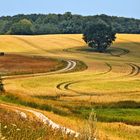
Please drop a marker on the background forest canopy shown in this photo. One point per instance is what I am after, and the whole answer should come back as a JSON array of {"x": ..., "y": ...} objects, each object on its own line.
[{"x": 66, "y": 23}]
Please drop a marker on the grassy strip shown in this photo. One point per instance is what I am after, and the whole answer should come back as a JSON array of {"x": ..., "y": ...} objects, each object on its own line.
[
  {"x": 17, "y": 100},
  {"x": 128, "y": 116},
  {"x": 125, "y": 115},
  {"x": 120, "y": 104},
  {"x": 120, "y": 113}
]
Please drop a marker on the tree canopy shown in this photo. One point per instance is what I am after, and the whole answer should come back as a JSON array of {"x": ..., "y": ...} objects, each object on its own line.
[
  {"x": 99, "y": 36},
  {"x": 63, "y": 23},
  {"x": 21, "y": 27}
]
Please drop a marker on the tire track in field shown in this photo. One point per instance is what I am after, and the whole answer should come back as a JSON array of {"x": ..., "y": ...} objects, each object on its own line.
[
  {"x": 71, "y": 64},
  {"x": 59, "y": 86},
  {"x": 135, "y": 70},
  {"x": 45, "y": 120},
  {"x": 66, "y": 86}
]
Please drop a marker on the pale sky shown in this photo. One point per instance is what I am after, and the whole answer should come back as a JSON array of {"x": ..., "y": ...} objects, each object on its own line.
[{"x": 125, "y": 8}]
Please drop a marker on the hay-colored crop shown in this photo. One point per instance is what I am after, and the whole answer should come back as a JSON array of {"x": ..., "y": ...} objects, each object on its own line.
[{"x": 111, "y": 78}]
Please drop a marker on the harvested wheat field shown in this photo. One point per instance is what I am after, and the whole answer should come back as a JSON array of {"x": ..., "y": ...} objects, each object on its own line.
[{"x": 80, "y": 80}]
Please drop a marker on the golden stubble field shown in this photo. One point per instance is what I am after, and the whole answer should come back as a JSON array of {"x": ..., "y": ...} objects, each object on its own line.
[{"x": 111, "y": 79}]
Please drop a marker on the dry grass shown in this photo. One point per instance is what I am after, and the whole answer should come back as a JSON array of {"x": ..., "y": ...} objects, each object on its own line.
[
  {"x": 118, "y": 131},
  {"x": 12, "y": 127}
]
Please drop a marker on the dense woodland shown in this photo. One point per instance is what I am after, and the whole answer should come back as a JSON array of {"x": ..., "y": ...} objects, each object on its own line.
[{"x": 63, "y": 23}]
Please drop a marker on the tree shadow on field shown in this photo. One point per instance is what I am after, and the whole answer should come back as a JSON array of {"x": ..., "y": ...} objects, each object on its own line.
[
  {"x": 113, "y": 51},
  {"x": 118, "y": 52},
  {"x": 86, "y": 49}
]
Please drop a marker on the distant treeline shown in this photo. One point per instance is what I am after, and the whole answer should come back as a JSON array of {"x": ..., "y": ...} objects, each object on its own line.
[{"x": 63, "y": 24}]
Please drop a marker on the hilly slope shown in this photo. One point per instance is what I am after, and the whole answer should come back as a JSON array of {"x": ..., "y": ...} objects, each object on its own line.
[{"x": 107, "y": 82}]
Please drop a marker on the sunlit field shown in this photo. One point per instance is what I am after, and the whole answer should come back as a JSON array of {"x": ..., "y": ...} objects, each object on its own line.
[{"x": 107, "y": 82}]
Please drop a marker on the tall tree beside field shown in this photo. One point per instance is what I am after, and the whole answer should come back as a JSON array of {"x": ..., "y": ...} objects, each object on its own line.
[{"x": 99, "y": 36}]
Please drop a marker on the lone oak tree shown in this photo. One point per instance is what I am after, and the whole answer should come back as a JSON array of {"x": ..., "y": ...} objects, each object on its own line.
[{"x": 99, "y": 36}]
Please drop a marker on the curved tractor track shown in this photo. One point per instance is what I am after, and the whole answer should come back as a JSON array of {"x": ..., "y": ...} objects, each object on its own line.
[
  {"x": 71, "y": 64},
  {"x": 66, "y": 86},
  {"x": 135, "y": 70}
]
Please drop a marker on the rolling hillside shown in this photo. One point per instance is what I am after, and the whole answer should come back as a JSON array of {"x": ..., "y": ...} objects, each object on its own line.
[{"x": 107, "y": 82}]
